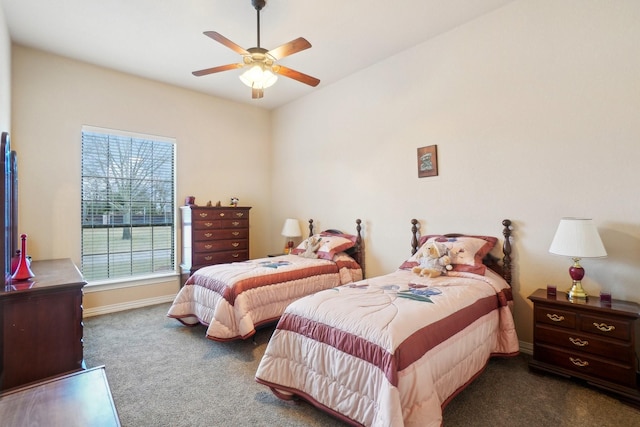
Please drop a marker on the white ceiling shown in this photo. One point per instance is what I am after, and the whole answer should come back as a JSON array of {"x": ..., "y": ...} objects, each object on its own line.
[{"x": 162, "y": 39}]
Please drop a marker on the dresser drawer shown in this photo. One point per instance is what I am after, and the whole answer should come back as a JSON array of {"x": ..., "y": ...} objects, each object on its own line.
[
  {"x": 211, "y": 224},
  {"x": 586, "y": 365},
  {"x": 220, "y": 214},
  {"x": 220, "y": 257},
  {"x": 555, "y": 316},
  {"x": 606, "y": 326},
  {"x": 573, "y": 341},
  {"x": 223, "y": 234},
  {"x": 220, "y": 245}
]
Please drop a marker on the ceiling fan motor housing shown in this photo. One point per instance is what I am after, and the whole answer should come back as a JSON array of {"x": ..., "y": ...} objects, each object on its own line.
[{"x": 258, "y": 4}]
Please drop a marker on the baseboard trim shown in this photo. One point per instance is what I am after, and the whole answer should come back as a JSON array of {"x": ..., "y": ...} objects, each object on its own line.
[
  {"x": 113, "y": 308},
  {"x": 526, "y": 347}
]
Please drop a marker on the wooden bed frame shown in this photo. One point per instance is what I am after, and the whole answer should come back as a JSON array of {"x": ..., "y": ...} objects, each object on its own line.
[
  {"x": 491, "y": 261},
  {"x": 356, "y": 252}
]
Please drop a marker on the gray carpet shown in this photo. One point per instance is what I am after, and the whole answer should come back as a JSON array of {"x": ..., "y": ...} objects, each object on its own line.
[{"x": 162, "y": 373}]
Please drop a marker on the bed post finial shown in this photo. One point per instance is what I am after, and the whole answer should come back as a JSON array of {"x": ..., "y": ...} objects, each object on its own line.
[
  {"x": 414, "y": 236},
  {"x": 506, "y": 250},
  {"x": 359, "y": 253},
  {"x": 310, "y": 227}
]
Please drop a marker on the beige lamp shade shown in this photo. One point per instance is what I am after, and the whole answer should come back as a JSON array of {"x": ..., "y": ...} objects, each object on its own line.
[
  {"x": 291, "y": 228},
  {"x": 577, "y": 238}
]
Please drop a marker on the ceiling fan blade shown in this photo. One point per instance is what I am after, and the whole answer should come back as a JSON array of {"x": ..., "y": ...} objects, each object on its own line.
[
  {"x": 216, "y": 69},
  {"x": 294, "y": 46},
  {"x": 225, "y": 41},
  {"x": 257, "y": 93},
  {"x": 296, "y": 75}
]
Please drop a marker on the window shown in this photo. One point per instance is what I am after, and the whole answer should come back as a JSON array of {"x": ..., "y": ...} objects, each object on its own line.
[{"x": 128, "y": 204}]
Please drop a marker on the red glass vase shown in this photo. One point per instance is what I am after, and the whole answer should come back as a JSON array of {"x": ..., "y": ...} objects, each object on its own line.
[{"x": 23, "y": 271}]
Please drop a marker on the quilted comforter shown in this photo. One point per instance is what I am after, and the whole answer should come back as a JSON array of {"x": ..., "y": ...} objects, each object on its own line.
[
  {"x": 233, "y": 299},
  {"x": 391, "y": 350}
]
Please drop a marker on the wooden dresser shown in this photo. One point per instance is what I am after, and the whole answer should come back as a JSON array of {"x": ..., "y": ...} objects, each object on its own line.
[
  {"x": 80, "y": 399},
  {"x": 213, "y": 235},
  {"x": 590, "y": 340},
  {"x": 42, "y": 324}
]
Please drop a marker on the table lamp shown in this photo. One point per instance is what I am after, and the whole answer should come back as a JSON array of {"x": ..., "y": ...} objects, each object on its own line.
[
  {"x": 577, "y": 238},
  {"x": 290, "y": 229}
]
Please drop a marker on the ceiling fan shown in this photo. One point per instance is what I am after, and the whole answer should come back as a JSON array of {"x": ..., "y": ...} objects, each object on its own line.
[{"x": 260, "y": 63}]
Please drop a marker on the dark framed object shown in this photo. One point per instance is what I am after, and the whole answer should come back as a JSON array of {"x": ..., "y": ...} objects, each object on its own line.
[{"x": 427, "y": 161}]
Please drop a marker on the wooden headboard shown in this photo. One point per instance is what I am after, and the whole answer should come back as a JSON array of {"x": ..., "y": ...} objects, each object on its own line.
[
  {"x": 357, "y": 251},
  {"x": 501, "y": 266},
  {"x": 8, "y": 205}
]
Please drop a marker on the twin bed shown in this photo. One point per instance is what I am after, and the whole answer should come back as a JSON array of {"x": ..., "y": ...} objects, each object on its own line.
[
  {"x": 391, "y": 350},
  {"x": 234, "y": 299}
]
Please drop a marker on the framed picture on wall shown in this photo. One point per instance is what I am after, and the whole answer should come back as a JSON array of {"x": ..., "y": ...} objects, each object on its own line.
[{"x": 427, "y": 161}]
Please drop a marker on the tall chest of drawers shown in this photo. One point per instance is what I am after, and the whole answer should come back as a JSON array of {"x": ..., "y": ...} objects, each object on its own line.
[
  {"x": 213, "y": 235},
  {"x": 589, "y": 340}
]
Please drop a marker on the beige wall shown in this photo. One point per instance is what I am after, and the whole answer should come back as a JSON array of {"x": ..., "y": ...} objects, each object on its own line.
[
  {"x": 222, "y": 148},
  {"x": 5, "y": 75},
  {"x": 535, "y": 111}
]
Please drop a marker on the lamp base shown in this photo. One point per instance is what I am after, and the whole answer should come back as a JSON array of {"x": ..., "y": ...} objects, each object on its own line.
[{"x": 576, "y": 293}]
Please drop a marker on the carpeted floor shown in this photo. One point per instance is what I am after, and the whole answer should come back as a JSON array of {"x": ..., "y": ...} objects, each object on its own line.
[{"x": 162, "y": 373}]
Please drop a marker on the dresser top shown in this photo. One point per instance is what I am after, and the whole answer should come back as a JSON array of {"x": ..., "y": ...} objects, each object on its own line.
[
  {"x": 592, "y": 303},
  {"x": 214, "y": 207},
  {"x": 49, "y": 273}
]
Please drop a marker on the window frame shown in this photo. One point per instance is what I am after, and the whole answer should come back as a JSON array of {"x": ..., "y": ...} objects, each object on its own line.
[{"x": 142, "y": 277}]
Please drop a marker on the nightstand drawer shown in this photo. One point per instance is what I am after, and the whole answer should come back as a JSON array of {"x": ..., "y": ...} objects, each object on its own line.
[
  {"x": 555, "y": 316},
  {"x": 573, "y": 341},
  {"x": 586, "y": 365},
  {"x": 606, "y": 326}
]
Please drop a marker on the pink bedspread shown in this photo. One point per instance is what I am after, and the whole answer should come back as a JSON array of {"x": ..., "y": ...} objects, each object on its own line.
[
  {"x": 391, "y": 350},
  {"x": 233, "y": 299}
]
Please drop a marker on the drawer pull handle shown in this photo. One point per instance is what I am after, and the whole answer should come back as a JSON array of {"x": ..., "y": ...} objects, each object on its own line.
[
  {"x": 221, "y": 213},
  {"x": 236, "y": 233},
  {"x": 578, "y": 362},
  {"x": 579, "y": 342},
  {"x": 239, "y": 214},
  {"x": 208, "y": 224},
  {"x": 208, "y": 246},
  {"x": 208, "y": 258},
  {"x": 235, "y": 223},
  {"x": 555, "y": 317},
  {"x": 208, "y": 234},
  {"x": 235, "y": 255},
  {"x": 203, "y": 214},
  {"x": 604, "y": 327},
  {"x": 235, "y": 244}
]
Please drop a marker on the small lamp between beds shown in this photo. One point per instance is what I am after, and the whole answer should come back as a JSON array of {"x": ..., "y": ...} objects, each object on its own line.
[
  {"x": 577, "y": 238},
  {"x": 290, "y": 229}
]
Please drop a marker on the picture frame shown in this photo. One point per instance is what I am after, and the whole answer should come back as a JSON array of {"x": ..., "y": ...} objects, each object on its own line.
[{"x": 428, "y": 161}]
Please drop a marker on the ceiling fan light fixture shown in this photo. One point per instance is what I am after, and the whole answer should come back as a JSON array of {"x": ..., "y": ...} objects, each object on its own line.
[{"x": 258, "y": 77}]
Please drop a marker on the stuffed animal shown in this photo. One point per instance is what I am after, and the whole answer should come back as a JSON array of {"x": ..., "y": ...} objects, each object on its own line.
[
  {"x": 311, "y": 246},
  {"x": 434, "y": 260}
]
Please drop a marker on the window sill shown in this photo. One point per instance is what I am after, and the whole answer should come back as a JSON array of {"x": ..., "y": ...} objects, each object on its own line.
[{"x": 107, "y": 285}]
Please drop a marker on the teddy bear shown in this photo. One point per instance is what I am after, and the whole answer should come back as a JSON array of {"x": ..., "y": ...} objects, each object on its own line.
[
  {"x": 434, "y": 260},
  {"x": 311, "y": 246}
]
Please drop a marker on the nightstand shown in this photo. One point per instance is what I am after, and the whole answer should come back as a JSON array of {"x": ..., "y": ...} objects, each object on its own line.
[{"x": 591, "y": 340}]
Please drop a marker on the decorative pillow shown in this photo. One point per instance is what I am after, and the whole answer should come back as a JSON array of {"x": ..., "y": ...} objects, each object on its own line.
[
  {"x": 331, "y": 245},
  {"x": 466, "y": 252}
]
